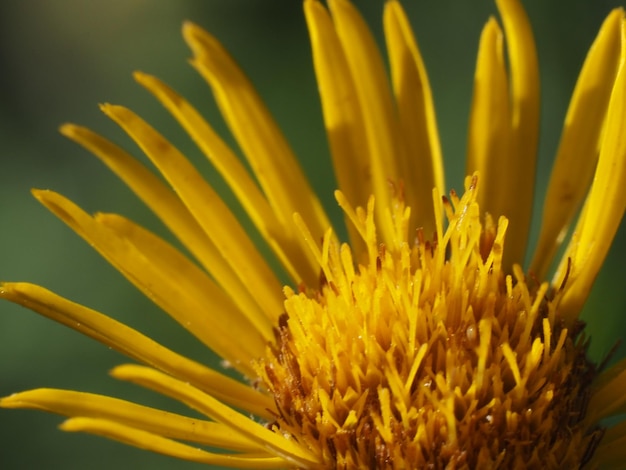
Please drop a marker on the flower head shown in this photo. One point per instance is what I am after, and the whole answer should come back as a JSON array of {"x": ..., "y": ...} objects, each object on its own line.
[{"x": 421, "y": 342}]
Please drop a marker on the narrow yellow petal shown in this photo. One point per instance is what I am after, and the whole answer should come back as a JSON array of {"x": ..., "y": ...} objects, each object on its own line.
[
  {"x": 489, "y": 132},
  {"x": 161, "y": 445},
  {"x": 520, "y": 176},
  {"x": 207, "y": 207},
  {"x": 70, "y": 403},
  {"x": 379, "y": 116},
  {"x": 423, "y": 165},
  {"x": 275, "y": 443},
  {"x": 580, "y": 141},
  {"x": 278, "y": 235},
  {"x": 343, "y": 117},
  {"x": 168, "y": 207},
  {"x": 169, "y": 260},
  {"x": 267, "y": 151},
  {"x": 605, "y": 204},
  {"x": 137, "y": 346},
  {"x": 187, "y": 304}
]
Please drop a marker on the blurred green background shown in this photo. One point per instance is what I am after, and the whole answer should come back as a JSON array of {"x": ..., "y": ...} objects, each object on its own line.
[{"x": 59, "y": 59}]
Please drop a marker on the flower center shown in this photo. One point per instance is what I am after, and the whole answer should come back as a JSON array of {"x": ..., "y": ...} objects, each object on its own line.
[{"x": 428, "y": 355}]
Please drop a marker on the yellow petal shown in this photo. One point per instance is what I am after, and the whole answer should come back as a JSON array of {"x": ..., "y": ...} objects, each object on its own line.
[
  {"x": 343, "y": 117},
  {"x": 607, "y": 394},
  {"x": 490, "y": 122},
  {"x": 169, "y": 260},
  {"x": 520, "y": 176},
  {"x": 186, "y": 303},
  {"x": 207, "y": 207},
  {"x": 275, "y": 443},
  {"x": 578, "y": 150},
  {"x": 278, "y": 235},
  {"x": 137, "y": 346},
  {"x": 152, "y": 442},
  {"x": 605, "y": 204},
  {"x": 423, "y": 165},
  {"x": 372, "y": 87},
  {"x": 267, "y": 151},
  {"x": 168, "y": 207},
  {"x": 611, "y": 453},
  {"x": 70, "y": 403}
]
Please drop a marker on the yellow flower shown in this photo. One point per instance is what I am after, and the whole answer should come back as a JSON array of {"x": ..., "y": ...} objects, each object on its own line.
[{"x": 421, "y": 343}]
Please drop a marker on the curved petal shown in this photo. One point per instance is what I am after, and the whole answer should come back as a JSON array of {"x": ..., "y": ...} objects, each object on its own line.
[
  {"x": 604, "y": 206},
  {"x": 379, "y": 116},
  {"x": 211, "y": 213},
  {"x": 580, "y": 141},
  {"x": 169, "y": 260},
  {"x": 520, "y": 176},
  {"x": 266, "y": 149},
  {"x": 152, "y": 442},
  {"x": 163, "y": 423},
  {"x": 167, "y": 207},
  {"x": 168, "y": 291},
  {"x": 489, "y": 131},
  {"x": 185, "y": 393},
  {"x": 423, "y": 165},
  {"x": 137, "y": 346},
  {"x": 278, "y": 235},
  {"x": 343, "y": 117}
]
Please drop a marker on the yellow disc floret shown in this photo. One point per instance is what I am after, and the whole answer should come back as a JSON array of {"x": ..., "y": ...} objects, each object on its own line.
[{"x": 428, "y": 354}]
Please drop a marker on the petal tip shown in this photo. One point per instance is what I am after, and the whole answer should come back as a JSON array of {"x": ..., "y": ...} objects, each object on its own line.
[
  {"x": 67, "y": 129},
  {"x": 196, "y": 38},
  {"x": 72, "y": 425},
  {"x": 8, "y": 401},
  {"x": 138, "y": 76},
  {"x": 39, "y": 194}
]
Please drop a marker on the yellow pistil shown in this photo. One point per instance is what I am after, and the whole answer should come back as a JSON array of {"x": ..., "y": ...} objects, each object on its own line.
[{"x": 429, "y": 354}]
